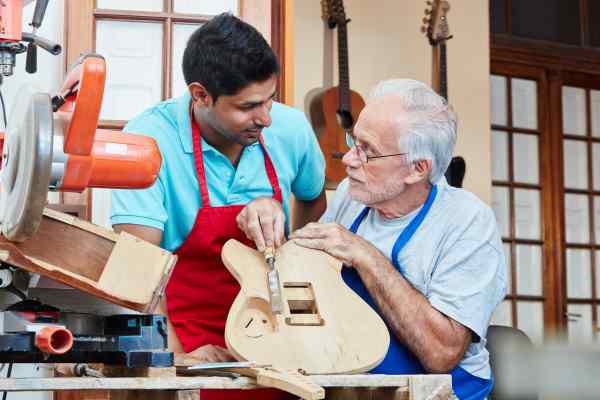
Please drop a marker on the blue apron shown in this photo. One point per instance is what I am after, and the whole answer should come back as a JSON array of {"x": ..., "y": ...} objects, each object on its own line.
[{"x": 399, "y": 360}]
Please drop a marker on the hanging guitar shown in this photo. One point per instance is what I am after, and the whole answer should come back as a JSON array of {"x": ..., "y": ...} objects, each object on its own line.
[
  {"x": 438, "y": 33},
  {"x": 334, "y": 111}
]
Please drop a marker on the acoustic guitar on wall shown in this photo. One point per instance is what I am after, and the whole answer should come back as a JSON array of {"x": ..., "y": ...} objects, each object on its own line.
[
  {"x": 334, "y": 111},
  {"x": 435, "y": 26}
]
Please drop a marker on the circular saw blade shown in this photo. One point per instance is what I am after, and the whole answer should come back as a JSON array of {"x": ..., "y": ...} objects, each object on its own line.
[{"x": 26, "y": 165}]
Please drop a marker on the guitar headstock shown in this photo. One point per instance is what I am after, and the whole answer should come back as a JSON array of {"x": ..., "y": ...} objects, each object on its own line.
[
  {"x": 333, "y": 12},
  {"x": 435, "y": 22}
]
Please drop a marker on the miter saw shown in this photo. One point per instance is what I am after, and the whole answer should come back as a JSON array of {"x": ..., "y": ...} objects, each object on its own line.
[{"x": 52, "y": 143}]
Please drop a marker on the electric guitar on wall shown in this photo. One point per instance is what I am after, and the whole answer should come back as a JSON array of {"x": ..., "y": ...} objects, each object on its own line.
[
  {"x": 334, "y": 111},
  {"x": 438, "y": 33}
]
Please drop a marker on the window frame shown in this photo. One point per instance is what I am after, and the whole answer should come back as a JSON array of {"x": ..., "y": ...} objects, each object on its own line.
[{"x": 559, "y": 65}]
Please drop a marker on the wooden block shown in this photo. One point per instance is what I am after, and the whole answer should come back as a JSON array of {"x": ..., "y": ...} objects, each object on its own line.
[
  {"x": 95, "y": 260},
  {"x": 430, "y": 387},
  {"x": 289, "y": 381}
]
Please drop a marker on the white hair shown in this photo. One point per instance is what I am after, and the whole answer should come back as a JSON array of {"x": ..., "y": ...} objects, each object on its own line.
[{"x": 431, "y": 132}]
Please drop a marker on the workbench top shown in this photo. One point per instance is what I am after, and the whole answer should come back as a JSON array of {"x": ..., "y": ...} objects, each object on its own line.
[{"x": 209, "y": 382}]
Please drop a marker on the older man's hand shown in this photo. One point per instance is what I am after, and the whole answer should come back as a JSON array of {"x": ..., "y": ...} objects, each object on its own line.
[
  {"x": 337, "y": 241},
  {"x": 263, "y": 222}
]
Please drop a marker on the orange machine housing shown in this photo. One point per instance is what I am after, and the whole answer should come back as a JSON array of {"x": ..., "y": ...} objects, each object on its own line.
[
  {"x": 11, "y": 14},
  {"x": 96, "y": 157}
]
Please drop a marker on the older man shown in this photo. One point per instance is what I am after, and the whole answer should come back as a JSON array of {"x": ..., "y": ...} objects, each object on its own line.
[{"x": 425, "y": 255}]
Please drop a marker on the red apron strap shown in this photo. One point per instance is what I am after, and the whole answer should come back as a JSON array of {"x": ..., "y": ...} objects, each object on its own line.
[
  {"x": 198, "y": 160},
  {"x": 271, "y": 174}
]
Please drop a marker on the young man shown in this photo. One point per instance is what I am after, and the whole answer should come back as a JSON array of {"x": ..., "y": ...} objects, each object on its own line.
[
  {"x": 426, "y": 256},
  {"x": 224, "y": 144}
]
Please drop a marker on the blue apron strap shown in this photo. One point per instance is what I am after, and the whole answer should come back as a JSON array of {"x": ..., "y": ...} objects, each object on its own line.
[
  {"x": 400, "y": 360},
  {"x": 410, "y": 230},
  {"x": 359, "y": 219}
]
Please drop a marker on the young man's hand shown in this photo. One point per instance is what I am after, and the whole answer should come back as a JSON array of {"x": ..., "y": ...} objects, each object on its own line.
[
  {"x": 263, "y": 221},
  {"x": 210, "y": 354}
]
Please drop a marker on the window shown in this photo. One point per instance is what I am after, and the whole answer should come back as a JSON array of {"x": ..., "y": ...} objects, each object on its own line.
[
  {"x": 143, "y": 42},
  {"x": 518, "y": 195}
]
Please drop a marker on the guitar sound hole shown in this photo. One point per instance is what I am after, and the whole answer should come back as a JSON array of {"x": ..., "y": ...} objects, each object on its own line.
[{"x": 345, "y": 119}]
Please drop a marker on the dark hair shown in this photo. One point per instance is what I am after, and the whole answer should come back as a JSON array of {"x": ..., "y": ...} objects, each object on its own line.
[{"x": 226, "y": 54}]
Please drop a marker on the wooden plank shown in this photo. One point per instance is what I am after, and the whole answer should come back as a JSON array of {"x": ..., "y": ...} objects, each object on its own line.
[
  {"x": 94, "y": 260},
  {"x": 190, "y": 383},
  {"x": 288, "y": 57},
  {"x": 291, "y": 382},
  {"x": 179, "y": 383},
  {"x": 78, "y": 29},
  {"x": 430, "y": 387}
]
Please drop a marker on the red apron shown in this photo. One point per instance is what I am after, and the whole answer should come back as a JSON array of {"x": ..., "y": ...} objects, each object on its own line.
[{"x": 201, "y": 290}]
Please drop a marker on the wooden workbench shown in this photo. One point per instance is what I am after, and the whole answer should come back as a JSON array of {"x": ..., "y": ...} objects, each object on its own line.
[{"x": 409, "y": 387}]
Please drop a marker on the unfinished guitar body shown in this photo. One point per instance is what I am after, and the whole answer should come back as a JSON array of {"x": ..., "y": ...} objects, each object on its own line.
[{"x": 325, "y": 327}]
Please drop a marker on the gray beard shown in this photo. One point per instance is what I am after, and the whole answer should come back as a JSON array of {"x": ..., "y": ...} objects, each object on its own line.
[{"x": 390, "y": 190}]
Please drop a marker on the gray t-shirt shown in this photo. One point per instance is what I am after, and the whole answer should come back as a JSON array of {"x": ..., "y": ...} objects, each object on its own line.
[{"x": 454, "y": 259}]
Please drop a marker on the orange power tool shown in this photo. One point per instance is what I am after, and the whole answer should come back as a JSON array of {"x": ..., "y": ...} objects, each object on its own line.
[{"x": 52, "y": 143}]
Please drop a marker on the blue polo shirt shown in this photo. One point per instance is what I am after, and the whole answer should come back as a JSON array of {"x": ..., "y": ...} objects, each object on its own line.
[{"x": 171, "y": 204}]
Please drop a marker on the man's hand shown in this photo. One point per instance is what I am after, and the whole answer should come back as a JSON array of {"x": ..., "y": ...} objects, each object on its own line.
[
  {"x": 209, "y": 354},
  {"x": 263, "y": 221},
  {"x": 337, "y": 241}
]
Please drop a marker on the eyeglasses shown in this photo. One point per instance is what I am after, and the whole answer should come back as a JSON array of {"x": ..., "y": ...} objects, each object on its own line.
[{"x": 364, "y": 158}]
